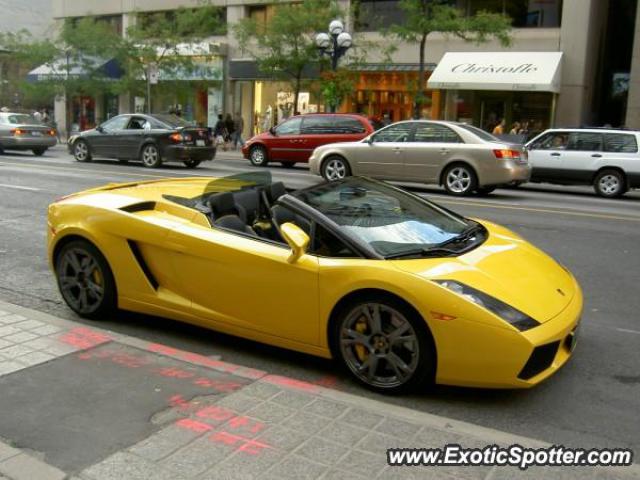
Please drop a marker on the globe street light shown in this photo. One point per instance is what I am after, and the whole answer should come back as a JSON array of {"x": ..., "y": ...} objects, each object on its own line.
[{"x": 335, "y": 43}]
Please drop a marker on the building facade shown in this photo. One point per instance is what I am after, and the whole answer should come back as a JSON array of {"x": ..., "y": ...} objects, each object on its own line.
[{"x": 573, "y": 40}]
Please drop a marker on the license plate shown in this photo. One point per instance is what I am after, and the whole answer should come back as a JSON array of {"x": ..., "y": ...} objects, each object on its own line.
[
  {"x": 36, "y": 134},
  {"x": 200, "y": 143}
]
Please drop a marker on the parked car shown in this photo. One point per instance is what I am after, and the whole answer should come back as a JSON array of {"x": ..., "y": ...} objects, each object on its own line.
[
  {"x": 462, "y": 158},
  {"x": 608, "y": 159},
  {"x": 398, "y": 289},
  {"x": 19, "y": 131},
  {"x": 294, "y": 139},
  {"x": 152, "y": 139}
]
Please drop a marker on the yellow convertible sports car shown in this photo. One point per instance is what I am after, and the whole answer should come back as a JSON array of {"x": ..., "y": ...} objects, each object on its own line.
[{"x": 400, "y": 290}]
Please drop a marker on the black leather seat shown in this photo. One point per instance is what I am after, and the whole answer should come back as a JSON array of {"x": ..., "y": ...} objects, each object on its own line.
[
  {"x": 248, "y": 204},
  {"x": 226, "y": 213},
  {"x": 274, "y": 192}
]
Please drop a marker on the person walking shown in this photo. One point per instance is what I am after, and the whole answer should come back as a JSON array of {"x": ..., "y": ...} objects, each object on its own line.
[
  {"x": 238, "y": 128},
  {"x": 499, "y": 128},
  {"x": 515, "y": 129},
  {"x": 229, "y": 126},
  {"x": 220, "y": 131}
]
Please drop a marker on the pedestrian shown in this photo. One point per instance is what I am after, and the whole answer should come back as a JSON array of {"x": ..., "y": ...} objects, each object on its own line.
[
  {"x": 515, "y": 129},
  {"x": 45, "y": 116},
  {"x": 238, "y": 128},
  {"x": 499, "y": 128},
  {"x": 230, "y": 127},
  {"x": 386, "y": 120},
  {"x": 37, "y": 116},
  {"x": 220, "y": 131}
]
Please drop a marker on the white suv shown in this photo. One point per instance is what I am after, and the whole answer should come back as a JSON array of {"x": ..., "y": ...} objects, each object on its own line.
[{"x": 608, "y": 159}]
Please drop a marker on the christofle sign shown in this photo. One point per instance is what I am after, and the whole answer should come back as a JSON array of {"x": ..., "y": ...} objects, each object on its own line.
[{"x": 525, "y": 71}]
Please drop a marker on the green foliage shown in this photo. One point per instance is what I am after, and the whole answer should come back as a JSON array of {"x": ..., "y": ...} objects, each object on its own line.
[{"x": 336, "y": 86}]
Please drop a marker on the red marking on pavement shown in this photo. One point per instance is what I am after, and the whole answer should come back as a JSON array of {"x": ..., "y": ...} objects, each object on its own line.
[
  {"x": 290, "y": 383},
  {"x": 328, "y": 381},
  {"x": 173, "y": 372},
  {"x": 196, "y": 358},
  {"x": 220, "y": 385},
  {"x": 194, "y": 425},
  {"x": 158, "y": 348},
  {"x": 84, "y": 338},
  {"x": 246, "y": 445},
  {"x": 178, "y": 401},
  {"x": 215, "y": 413},
  {"x": 253, "y": 426}
]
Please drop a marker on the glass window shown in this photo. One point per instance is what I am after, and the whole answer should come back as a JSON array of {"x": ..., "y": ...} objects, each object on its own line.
[
  {"x": 585, "y": 141},
  {"x": 326, "y": 244},
  {"x": 479, "y": 133},
  {"x": 289, "y": 127},
  {"x": 620, "y": 142},
  {"x": 348, "y": 125},
  {"x": 391, "y": 221},
  {"x": 138, "y": 123},
  {"x": 116, "y": 123},
  {"x": 432, "y": 132},
  {"x": 552, "y": 141},
  {"x": 399, "y": 132},
  {"x": 372, "y": 15},
  {"x": 20, "y": 119},
  {"x": 523, "y": 13},
  {"x": 318, "y": 124}
]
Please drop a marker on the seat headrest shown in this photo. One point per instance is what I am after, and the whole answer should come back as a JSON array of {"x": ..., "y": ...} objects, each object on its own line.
[
  {"x": 222, "y": 204},
  {"x": 275, "y": 191}
]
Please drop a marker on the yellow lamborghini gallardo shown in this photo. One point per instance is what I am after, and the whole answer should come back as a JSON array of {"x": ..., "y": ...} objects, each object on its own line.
[{"x": 398, "y": 289}]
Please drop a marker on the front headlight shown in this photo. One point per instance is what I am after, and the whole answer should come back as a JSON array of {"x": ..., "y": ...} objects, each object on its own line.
[{"x": 511, "y": 315}]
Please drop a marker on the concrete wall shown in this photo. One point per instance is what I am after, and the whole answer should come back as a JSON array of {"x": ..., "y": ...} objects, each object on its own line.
[{"x": 633, "y": 100}]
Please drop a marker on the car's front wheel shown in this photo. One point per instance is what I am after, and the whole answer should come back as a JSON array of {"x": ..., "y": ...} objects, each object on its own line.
[
  {"x": 610, "y": 184},
  {"x": 384, "y": 344},
  {"x": 81, "y": 151},
  {"x": 191, "y": 163},
  {"x": 150, "y": 156},
  {"x": 85, "y": 279},
  {"x": 335, "y": 168},
  {"x": 460, "y": 179},
  {"x": 38, "y": 152},
  {"x": 258, "y": 156}
]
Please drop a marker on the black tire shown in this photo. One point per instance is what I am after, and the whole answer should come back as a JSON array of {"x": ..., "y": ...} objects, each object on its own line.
[
  {"x": 72, "y": 282},
  {"x": 81, "y": 151},
  {"x": 482, "y": 191},
  {"x": 422, "y": 364},
  {"x": 288, "y": 164},
  {"x": 191, "y": 163},
  {"x": 460, "y": 179},
  {"x": 38, "y": 152},
  {"x": 150, "y": 156},
  {"x": 610, "y": 183},
  {"x": 258, "y": 156},
  {"x": 335, "y": 168}
]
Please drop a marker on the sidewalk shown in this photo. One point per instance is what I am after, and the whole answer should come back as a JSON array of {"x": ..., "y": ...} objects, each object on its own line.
[{"x": 87, "y": 404}]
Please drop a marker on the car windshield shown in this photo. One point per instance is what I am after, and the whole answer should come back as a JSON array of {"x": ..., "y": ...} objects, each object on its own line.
[
  {"x": 19, "y": 119},
  {"x": 479, "y": 133},
  {"x": 173, "y": 121},
  {"x": 394, "y": 223}
]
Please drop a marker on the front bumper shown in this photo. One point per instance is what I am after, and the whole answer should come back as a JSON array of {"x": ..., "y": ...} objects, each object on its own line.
[
  {"x": 185, "y": 152},
  {"x": 245, "y": 150},
  {"x": 496, "y": 357},
  {"x": 27, "y": 143}
]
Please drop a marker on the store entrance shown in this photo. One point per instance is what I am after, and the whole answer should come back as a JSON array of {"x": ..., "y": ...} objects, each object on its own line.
[{"x": 492, "y": 111}]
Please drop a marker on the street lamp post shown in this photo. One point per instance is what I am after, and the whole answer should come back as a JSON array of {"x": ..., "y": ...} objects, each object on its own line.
[{"x": 334, "y": 44}]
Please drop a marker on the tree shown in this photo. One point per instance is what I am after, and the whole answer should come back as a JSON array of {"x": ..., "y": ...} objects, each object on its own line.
[
  {"x": 284, "y": 47},
  {"x": 424, "y": 17}
]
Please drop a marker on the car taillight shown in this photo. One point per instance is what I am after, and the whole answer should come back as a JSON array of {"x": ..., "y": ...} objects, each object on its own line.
[
  {"x": 507, "y": 154},
  {"x": 17, "y": 132},
  {"x": 52, "y": 133},
  {"x": 186, "y": 137},
  {"x": 176, "y": 138}
]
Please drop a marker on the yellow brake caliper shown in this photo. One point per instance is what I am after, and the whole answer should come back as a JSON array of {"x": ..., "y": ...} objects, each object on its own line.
[{"x": 361, "y": 351}]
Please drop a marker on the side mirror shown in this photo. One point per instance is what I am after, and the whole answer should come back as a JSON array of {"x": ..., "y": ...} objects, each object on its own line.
[
  {"x": 272, "y": 131},
  {"x": 99, "y": 129},
  {"x": 369, "y": 139},
  {"x": 297, "y": 239}
]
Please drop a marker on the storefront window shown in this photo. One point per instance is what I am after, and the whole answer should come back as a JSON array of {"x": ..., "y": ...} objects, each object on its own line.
[
  {"x": 524, "y": 13},
  {"x": 372, "y": 15}
]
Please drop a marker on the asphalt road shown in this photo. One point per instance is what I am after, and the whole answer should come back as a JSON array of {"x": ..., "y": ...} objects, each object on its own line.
[{"x": 593, "y": 401}]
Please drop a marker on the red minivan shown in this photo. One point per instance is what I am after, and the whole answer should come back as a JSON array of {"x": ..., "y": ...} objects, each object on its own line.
[{"x": 293, "y": 140}]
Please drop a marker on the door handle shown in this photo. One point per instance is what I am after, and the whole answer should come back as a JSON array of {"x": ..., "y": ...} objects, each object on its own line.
[
  {"x": 596, "y": 155},
  {"x": 555, "y": 154},
  {"x": 444, "y": 151}
]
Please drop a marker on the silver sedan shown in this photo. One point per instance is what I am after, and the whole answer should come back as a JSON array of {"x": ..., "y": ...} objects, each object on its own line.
[
  {"x": 460, "y": 157},
  {"x": 19, "y": 131}
]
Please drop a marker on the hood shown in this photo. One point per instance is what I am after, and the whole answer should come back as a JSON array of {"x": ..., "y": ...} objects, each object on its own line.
[{"x": 508, "y": 268}]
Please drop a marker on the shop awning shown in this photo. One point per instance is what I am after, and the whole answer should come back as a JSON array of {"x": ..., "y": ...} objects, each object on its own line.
[
  {"x": 74, "y": 68},
  {"x": 524, "y": 71}
]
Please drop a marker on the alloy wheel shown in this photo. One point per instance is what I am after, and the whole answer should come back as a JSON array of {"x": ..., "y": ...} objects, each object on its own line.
[
  {"x": 379, "y": 345},
  {"x": 81, "y": 280},
  {"x": 258, "y": 156},
  {"x": 150, "y": 156},
  {"x": 335, "y": 169},
  {"x": 81, "y": 151},
  {"x": 609, "y": 184},
  {"x": 459, "y": 180}
]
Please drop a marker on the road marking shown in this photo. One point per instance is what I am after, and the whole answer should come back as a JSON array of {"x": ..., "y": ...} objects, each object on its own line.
[
  {"x": 626, "y": 330},
  {"x": 543, "y": 210},
  {"x": 20, "y": 187}
]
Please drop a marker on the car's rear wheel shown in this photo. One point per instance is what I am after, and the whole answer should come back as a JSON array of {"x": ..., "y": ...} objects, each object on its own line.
[
  {"x": 610, "y": 184},
  {"x": 335, "y": 168},
  {"x": 460, "y": 179},
  {"x": 485, "y": 190},
  {"x": 81, "y": 151},
  {"x": 150, "y": 156},
  {"x": 384, "y": 344},
  {"x": 38, "y": 152},
  {"x": 85, "y": 280},
  {"x": 191, "y": 163},
  {"x": 258, "y": 156}
]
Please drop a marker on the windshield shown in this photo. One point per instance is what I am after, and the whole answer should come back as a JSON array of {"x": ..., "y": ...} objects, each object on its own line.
[
  {"x": 479, "y": 133},
  {"x": 392, "y": 222},
  {"x": 173, "y": 121},
  {"x": 19, "y": 119}
]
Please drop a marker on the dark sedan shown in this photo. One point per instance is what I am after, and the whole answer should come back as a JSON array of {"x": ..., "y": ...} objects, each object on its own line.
[{"x": 152, "y": 139}]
